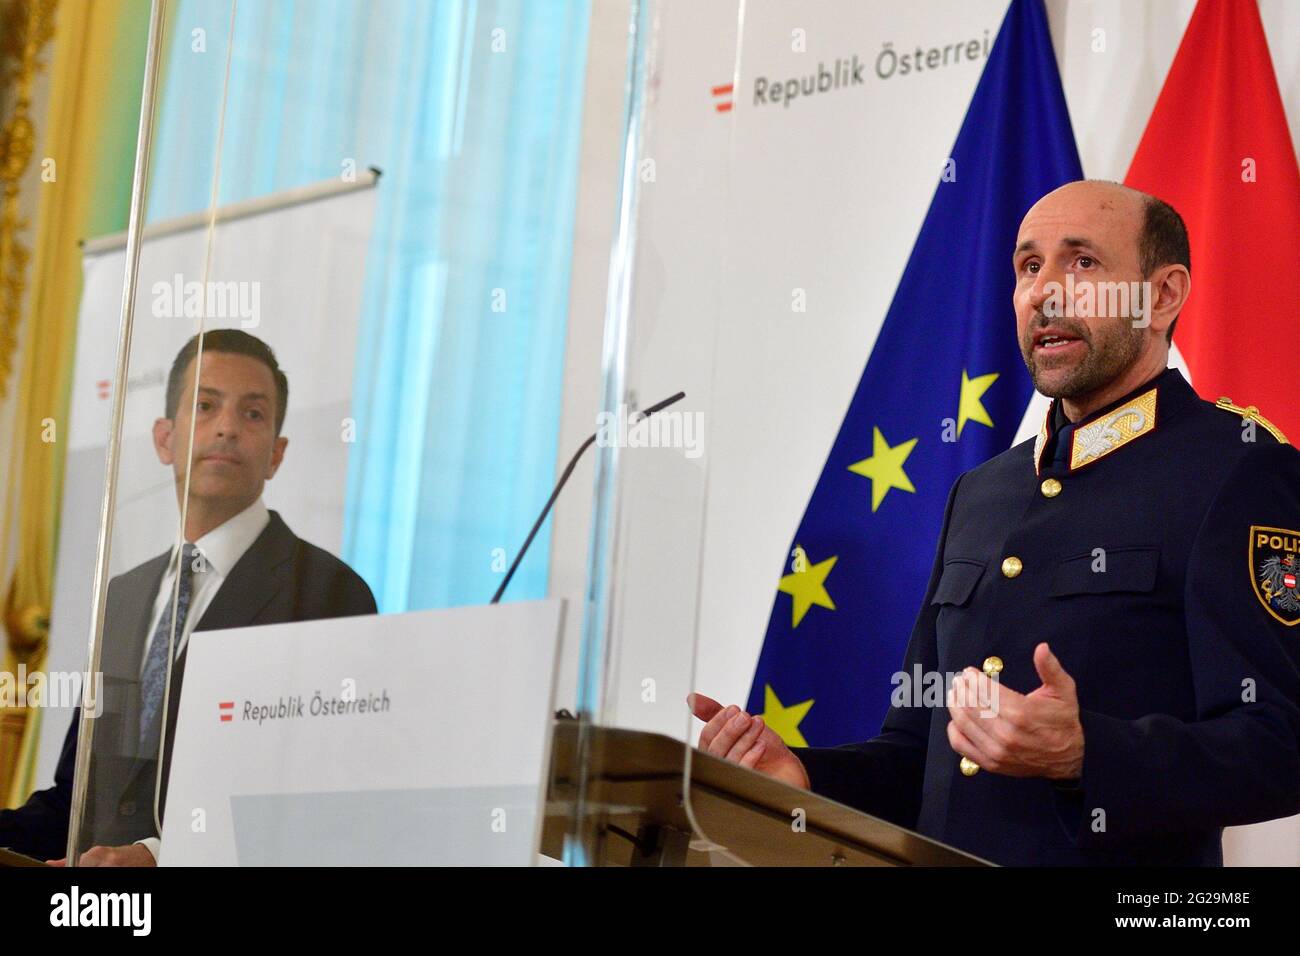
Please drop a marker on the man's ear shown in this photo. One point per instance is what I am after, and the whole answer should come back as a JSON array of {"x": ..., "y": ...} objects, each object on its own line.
[
  {"x": 277, "y": 456},
  {"x": 1170, "y": 287},
  {"x": 162, "y": 439}
]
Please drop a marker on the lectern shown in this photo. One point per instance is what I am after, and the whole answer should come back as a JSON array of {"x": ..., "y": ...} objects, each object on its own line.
[
  {"x": 653, "y": 801},
  {"x": 10, "y": 860}
]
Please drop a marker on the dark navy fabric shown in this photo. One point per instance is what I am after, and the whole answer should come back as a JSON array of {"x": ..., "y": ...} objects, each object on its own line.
[{"x": 1189, "y": 688}]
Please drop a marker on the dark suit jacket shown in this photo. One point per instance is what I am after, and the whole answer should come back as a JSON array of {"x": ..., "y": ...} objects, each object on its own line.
[{"x": 280, "y": 578}]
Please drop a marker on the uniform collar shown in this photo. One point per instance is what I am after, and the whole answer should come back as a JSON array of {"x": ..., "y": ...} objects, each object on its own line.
[{"x": 1105, "y": 431}]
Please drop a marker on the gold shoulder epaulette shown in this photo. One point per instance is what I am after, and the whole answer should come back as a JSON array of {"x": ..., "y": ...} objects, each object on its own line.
[{"x": 1251, "y": 413}]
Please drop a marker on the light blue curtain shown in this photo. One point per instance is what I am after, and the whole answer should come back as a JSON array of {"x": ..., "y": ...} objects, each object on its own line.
[{"x": 473, "y": 112}]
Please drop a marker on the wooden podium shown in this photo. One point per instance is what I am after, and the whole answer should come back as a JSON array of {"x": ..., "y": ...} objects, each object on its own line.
[
  {"x": 9, "y": 860},
  {"x": 643, "y": 811}
]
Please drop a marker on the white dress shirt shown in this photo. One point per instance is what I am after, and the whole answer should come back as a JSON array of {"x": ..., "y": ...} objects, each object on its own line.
[{"x": 222, "y": 547}]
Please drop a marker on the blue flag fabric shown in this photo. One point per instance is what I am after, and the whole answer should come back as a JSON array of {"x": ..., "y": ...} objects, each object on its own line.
[{"x": 944, "y": 389}]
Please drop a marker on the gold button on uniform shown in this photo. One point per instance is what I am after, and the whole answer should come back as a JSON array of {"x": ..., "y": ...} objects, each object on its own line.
[
  {"x": 1012, "y": 566},
  {"x": 969, "y": 767},
  {"x": 1050, "y": 488}
]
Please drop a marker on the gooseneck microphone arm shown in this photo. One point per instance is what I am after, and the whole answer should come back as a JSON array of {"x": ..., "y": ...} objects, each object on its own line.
[{"x": 559, "y": 485}]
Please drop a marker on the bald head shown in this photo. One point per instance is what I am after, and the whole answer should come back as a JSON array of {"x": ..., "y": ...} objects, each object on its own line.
[
  {"x": 1102, "y": 271},
  {"x": 1153, "y": 228},
  {"x": 1114, "y": 200}
]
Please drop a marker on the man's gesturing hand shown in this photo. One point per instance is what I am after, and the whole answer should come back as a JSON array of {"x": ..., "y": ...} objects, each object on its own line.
[
  {"x": 1020, "y": 735},
  {"x": 731, "y": 733}
]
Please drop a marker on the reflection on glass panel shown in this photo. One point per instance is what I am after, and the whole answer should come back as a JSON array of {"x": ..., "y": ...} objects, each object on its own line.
[
  {"x": 345, "y": 370},
  {"x": 472, "y": 111}
]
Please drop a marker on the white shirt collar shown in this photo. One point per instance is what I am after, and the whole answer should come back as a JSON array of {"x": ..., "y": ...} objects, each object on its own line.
[{"x": 225, "y": 544}]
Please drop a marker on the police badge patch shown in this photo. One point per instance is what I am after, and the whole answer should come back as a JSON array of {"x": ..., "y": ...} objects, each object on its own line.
[{"x": 1274, "y": 569}]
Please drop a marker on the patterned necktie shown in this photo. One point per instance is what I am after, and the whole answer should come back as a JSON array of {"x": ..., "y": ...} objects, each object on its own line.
[{"x": 155, "y": 668}]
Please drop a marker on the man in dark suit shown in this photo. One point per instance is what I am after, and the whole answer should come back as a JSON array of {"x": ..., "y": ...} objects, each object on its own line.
[
  {"x": 1116, "y": 603},
  {"x": 240, "y": 565}
]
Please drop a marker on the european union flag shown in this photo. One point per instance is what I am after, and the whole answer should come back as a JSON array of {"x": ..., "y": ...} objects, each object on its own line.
[{"x": 944, "y": 389}]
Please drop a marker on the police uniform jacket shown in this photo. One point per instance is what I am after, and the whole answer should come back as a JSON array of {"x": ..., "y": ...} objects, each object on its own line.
[{"x": 1154, "y": 546}]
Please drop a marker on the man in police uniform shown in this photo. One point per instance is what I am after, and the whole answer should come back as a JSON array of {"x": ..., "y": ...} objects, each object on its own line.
[{"x": 1128, "y": 578}]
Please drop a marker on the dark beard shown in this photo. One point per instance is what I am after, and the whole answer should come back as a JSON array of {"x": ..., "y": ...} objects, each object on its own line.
[{"x": 1110, "y": 354}]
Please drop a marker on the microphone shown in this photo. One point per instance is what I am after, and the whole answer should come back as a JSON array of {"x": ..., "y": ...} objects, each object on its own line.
[{"x": 591, "y": 440}]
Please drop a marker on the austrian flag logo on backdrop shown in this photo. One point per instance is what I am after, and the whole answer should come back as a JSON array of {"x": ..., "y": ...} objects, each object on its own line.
[{"x": 1274, "y": 567}]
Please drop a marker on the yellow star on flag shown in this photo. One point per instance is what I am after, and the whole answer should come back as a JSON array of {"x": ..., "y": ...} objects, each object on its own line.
[
  {"x": 807, "y": 585},
  {"x": 885, "y": 467},
  {"x": 969, "y": 407},
  {"x": 784, "y": 720}
]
